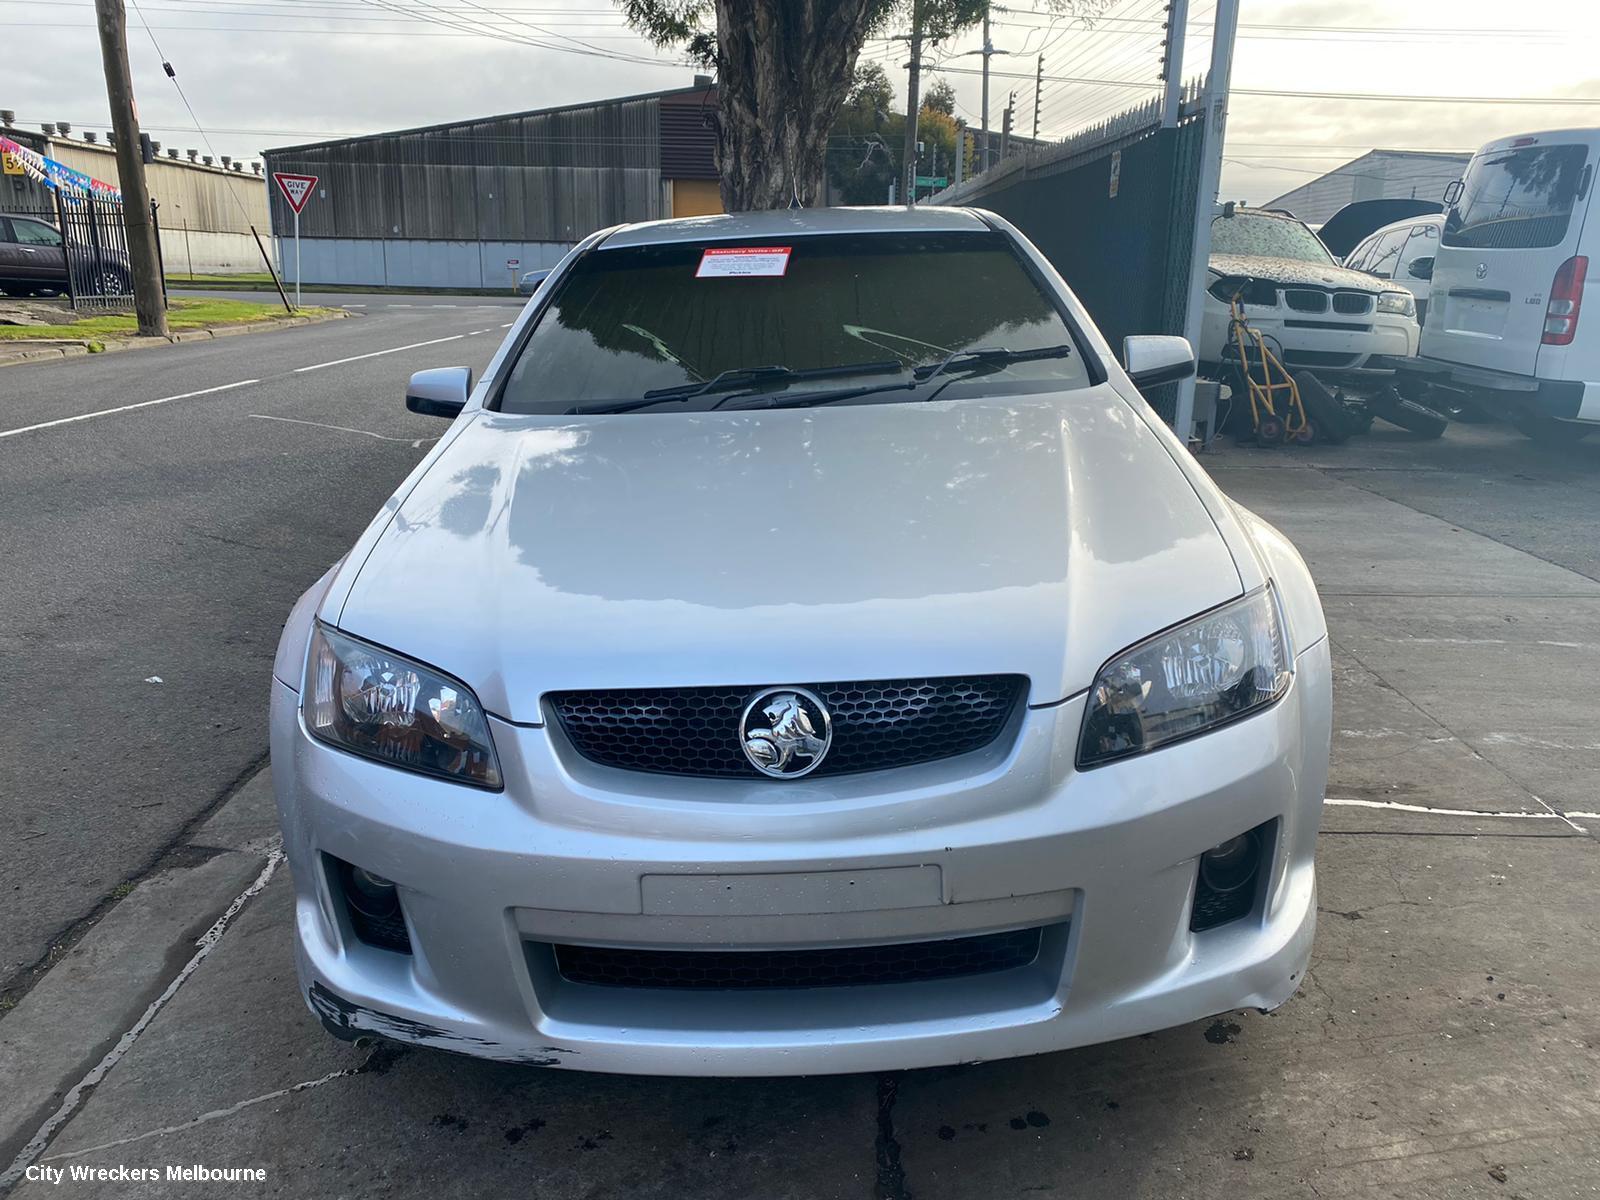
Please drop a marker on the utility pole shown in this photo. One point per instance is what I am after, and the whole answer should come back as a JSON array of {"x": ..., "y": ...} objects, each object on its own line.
[
  {"x": 1005, "y": 126},
  {"x": 1038, "y": 95},
  {"x": 908, "y": 158},
  {"x": 1215, "y": 100},
  {"x": 988, "y": 50},
  {"x": 143, "y": 255}
]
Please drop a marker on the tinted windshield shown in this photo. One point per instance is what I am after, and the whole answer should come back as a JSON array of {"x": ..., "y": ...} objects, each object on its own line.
[
  {"x": 1516, "y": 199},
  {"x": 1274, "y": 237},
  {"x": 636, "y": 319}
]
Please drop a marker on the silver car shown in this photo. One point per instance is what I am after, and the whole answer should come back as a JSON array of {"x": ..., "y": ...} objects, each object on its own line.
[{"x": 804, "y": 652}]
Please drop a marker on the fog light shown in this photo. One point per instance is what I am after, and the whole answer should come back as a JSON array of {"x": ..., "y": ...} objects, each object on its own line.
[
  {"x": 372, "y": 895},
  {"x": 373, "y": 906},
  {"x": 1228, "y": 867}
]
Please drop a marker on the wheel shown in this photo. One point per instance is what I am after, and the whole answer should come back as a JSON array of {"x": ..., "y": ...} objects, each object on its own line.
[
  {"x": 1550, "y": 431},
  {"x": 1269, "y": 432},
  {"x": 1408, "y": 414},
  {"x": 1305, "y": 435},
  {"x": 109, "y": 281}
]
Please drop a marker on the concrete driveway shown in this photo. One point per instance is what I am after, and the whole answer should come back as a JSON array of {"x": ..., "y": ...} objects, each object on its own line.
[{"x": 1446, "y": 1042}]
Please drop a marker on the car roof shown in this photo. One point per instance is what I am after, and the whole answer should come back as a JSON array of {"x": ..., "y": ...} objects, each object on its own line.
[{"x": 798, "y": 222}]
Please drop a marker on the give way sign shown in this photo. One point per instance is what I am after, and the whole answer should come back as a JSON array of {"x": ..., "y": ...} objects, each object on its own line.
[{"x": 296, "y": 189}]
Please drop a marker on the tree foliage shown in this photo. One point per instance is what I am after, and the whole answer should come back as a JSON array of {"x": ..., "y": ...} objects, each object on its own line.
[{"x": 786, "y": 70}]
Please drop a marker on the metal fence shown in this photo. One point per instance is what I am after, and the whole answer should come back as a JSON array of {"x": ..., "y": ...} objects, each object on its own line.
[
  {"x": 1113, "y": 209},
  {"x": 92, "y": 265}
]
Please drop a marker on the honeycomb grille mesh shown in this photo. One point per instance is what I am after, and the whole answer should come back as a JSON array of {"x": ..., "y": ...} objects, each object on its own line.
[
  {"x": 876, "y": 725},
  {"x": 839, "y": 966}
]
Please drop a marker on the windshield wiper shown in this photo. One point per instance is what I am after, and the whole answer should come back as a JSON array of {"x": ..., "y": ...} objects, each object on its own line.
[
  {"x": 983, "y": 360},
  {"x": 733, "y": 379}
]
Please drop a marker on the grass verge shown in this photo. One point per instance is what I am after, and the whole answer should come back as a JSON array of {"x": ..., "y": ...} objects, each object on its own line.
[{"x": 181, "y": 314}]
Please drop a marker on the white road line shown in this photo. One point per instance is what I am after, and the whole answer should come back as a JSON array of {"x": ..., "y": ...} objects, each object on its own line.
[
  {"x": 508, "y": 325},
  {"x": 106, "y": 412},
  {"x": 1396, "y": 806},
  {"x": 455, "y": 337},
  {"x": 207, "y": 943},
  {"x": 341, "y": 428}
]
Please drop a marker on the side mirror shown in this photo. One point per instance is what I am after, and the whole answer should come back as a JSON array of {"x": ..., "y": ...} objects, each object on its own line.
[
  {"x": 441, "y": 392},
  {"x": 1157, "y": 359},
  {"x": 1421, "y": 268},
  {"x": 1453, "y": 190}
]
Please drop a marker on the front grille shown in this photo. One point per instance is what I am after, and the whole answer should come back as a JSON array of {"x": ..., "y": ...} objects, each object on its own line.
[
  {"x": 840, "y": 966},
  {"x": 1352, "y": 303},
  {"x": 876, "y": 725},
  {"x": 1306, "y": 300}
]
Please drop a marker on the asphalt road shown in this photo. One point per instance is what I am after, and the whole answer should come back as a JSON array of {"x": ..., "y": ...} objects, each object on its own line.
[{"x": 152, "y": 549}]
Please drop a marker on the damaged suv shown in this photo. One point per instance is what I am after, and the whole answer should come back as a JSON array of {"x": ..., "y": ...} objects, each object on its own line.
[{"x": 1321, "y": 316}]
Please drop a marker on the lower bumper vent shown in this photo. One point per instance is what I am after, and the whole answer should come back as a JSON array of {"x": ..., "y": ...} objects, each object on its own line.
[{"x": 840, "y": 966}]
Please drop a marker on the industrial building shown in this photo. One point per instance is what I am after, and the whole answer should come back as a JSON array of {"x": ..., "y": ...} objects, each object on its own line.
[
  {"x": 204, "y": 208},
  {"x": 453, "y": 205},
  {"x": 1376, "y": 175}
]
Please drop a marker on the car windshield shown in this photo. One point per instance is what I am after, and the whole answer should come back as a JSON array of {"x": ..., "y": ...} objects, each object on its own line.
[
  {"x": 1516, "y": 200},
  {"x": 642, "y": 319},
  {"x": 1271, "y": 237}
]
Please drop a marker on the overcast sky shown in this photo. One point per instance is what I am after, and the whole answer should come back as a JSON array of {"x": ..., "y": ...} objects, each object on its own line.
[{"x": 275, "y": 72}]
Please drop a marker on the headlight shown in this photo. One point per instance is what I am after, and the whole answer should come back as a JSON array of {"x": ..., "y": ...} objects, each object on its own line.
[
  {"x": 1403, "y": 303},
  {"x": 1215, "y": 669},
  {"x": 373, "y": 702}
]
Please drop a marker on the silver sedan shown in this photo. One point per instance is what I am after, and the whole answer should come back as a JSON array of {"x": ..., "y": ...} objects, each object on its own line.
[{"x": 805, "y": 651}]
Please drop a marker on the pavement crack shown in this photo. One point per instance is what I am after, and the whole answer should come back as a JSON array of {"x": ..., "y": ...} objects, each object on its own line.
[
  {"x": 22, "y": 981},
  {"x": 377, "y": 1062},
  {"x": 79, "y": 1091},
  {"x": 890, "y": 1182}
]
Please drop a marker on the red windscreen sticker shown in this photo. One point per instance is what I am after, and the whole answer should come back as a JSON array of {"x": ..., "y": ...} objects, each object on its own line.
[{"x": 728, "y": 262}]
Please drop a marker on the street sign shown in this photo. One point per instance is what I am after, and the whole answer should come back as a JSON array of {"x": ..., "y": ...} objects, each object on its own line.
[
  {"x": 513, "y": 262},
  {"x": 296, "y": 189},
  {"x": 933, "y": 181}
]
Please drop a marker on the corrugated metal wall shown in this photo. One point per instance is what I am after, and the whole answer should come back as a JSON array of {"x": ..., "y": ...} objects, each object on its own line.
[{"x": 551, "y": 176}]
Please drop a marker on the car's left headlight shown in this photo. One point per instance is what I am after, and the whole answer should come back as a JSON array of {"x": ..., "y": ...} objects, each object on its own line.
[
  {"x": 1194, "y": 677},
  {"x": 1403, "y": 303},
  {"x": 376, "y": 703}
]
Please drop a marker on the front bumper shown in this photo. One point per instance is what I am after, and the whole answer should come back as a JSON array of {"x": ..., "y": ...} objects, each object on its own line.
[{"x": 1103, "y": 860}]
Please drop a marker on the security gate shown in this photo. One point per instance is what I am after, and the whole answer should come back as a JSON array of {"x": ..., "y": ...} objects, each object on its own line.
[{"x": 95, "y": 241}]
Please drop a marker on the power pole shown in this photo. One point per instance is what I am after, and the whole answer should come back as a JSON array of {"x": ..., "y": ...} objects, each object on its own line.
[
  {"x": 908, "y": 159},
  {"x": 1005, "y": 126},
  {"x": 143, "y": 255},
  {"x": 988, "y": 51},
  {"x": 1038, "y": 95}
]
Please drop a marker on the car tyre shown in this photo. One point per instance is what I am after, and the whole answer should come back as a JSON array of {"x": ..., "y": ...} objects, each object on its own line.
[{"x": 1408, "y": 414}]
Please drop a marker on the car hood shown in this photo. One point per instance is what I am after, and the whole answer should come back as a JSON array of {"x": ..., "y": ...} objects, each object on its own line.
[
  {"x": 1295, "y": 273},
  {"x": 1034, "y": 535}
]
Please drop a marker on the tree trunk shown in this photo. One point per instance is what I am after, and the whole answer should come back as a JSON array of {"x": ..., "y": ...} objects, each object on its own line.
[{"x": 783, "y": 71}]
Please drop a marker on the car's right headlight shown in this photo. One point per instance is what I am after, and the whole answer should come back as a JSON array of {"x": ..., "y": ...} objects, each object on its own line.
[
  {"x": 1195, "y": 677},
  {"x": 381, "y": 705}
]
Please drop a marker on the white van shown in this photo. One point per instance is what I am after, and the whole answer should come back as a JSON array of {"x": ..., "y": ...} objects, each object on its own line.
[
  {"x": 1504, "y": 327},
  {"x": 1403, "y": 252}
]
